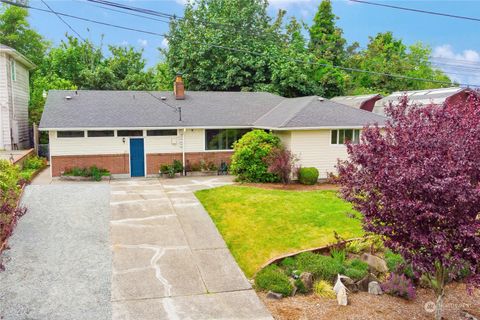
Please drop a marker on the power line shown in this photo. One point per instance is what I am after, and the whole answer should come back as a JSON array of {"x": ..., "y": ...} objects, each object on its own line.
[
  {"x": 417, "y": 10},
  {"x": 65, "y": 22},
  {"x": 177, "y": 109},
  {"x": 251, "y": 52}
]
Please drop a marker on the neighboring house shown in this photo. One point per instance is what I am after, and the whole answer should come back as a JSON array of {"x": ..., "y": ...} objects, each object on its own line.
[
  {"x": 132, "y": 133},
  {"x": 14, "y": 98},
  {"x": 365, "y": 102},
  {"x": 424, "y": 97}
]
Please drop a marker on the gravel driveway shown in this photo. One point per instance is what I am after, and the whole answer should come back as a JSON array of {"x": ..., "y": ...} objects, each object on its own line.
[{"x": 59, "y": 264}]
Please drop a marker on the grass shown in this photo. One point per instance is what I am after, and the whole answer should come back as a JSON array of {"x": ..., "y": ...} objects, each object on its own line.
[{"x": 259, "y": 224}]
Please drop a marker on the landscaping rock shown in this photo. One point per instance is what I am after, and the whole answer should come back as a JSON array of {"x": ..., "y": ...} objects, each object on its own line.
[
  {"x": 349, "y": 283},
  {"x": 307, "y": 279},
  {"x": 362, "y": 284},
  {"x": 342, "y": 298},
  {"x": 292, "y": 282},
  {"x": 374, "y": 288},
  {"x": 274, "y": 295},
  {"x": 375, "y": 263}
]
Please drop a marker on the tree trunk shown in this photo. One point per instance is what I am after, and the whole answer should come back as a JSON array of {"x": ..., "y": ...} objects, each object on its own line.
[
  {"x": 440, "y": 279},
  {"x": 439, "y": 307}
]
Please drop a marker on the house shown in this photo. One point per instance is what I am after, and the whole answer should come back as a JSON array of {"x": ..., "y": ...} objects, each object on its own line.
[
  {"x": 132, "y": 133},
  {"x": 14, "y": 98},
  {"x": 364, "y": 102},
  {"x": 424, "y": 97}
]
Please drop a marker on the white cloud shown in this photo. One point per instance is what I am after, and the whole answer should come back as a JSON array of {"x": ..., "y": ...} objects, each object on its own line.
[
  {"x": 164, "y": 43},
  {"x": 463, "y": 67},
  {"x": 143, "y": 42}
]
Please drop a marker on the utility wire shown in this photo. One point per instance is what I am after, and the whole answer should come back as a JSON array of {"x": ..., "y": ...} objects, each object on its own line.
[
  {"x": 417, "y": 10},
  {"x": 177, "y": 109},
  {"x": 63, "y": 20},
  {"x": 251, "y": 52}
]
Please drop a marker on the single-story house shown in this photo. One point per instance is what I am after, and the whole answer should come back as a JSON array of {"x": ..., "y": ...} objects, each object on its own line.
[
  {"x": 424, "y": 97},
  {"x": 132, "y": 133},
  {"x": 364, "y": 102}
]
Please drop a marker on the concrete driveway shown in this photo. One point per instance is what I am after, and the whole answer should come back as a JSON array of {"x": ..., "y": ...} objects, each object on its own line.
[{"x": 133, "y": 249}]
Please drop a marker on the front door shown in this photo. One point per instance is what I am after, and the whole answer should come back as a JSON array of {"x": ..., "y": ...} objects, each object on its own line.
[{"x": 137, "y": 158}]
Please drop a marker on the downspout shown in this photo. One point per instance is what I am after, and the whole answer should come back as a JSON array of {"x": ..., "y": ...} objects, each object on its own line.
[{"x": 183, "y": 150}]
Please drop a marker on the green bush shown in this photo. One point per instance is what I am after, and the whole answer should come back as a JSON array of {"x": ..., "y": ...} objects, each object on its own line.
[
  {"x": 322, "y": 267},
  {"x": 177, "y": 166},
  {"x": 26, "y": 174},
  {"x": 272, "y": 278},
  {"x": 9, "y": 176},
  {"x": 396, "y": 264},
  {"x": 300, "y": 286},
  {"x": 94, "y": 172},
  {"x": 308, "y": 176},
  {"x": 356, "y": 269},
  {"x": 34, "y": 162},
  {"x": 250, "y": 153},
  {"x": 289, "y": 264}
]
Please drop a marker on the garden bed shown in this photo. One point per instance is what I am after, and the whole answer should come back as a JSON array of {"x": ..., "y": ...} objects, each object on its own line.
[
  {"x": 201, "y": 173},
  {"x": 80, "y": 178},
  {"x": 363, "y": 306}
]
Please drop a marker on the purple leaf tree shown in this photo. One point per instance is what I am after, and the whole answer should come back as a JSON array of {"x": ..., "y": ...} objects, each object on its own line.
[{"x": 417, "y": 183}]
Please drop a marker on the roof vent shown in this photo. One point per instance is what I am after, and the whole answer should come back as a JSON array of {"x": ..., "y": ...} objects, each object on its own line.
[
  {"x": 68, "y": 97},
  {"x": 163, "y": 98},
  {"x": 321, "y": 99}
]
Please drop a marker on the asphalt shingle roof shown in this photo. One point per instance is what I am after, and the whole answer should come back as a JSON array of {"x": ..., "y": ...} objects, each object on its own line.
[
  {"x": 139, "y": 109},
  {"x": 355, "y": 101}
]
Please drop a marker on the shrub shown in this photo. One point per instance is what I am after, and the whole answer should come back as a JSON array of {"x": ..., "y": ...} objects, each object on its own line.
[
  {"x": 34, "y": 163},
  {"x": 250, "y": 152},
  {"x": 308, "y": 176},
  {"x": 300, "y": 286},
  {"x": 281, "y": 162},
  {"x": 356, "y": 269},
  {"x": 94, "y": 172},
  {"x": 272, "y": 278},
  {"x": 195, "y": 167},
  {"x": 399, "y": 285},
  {"x": 322, "y": 267},
  {"x": 177, "y": 166},
  {"x": 357, "y": 246},
  {"x": 9, "y": 176},
  {"x": 9, "y": 213},
  {"x": 338, "y": 255},
  {"x": 289, "y": 264},
  {"x": 212, "y": 166},
  {"x": 164, "y": 168},
  {"x": 396, "y": 264},
  {"x": 323, "y": 289}
]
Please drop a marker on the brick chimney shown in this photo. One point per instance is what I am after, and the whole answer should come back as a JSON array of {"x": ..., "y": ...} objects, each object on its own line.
[{"x": 179, "y": 88}]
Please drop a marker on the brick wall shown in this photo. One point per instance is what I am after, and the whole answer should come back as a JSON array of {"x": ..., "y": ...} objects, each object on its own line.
[
  {"x": 115, "y": 163},
  {"x": 155, "y": 160}
]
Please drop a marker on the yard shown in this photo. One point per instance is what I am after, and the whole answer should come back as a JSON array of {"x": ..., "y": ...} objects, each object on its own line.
[{"x": 260, "y": 224}]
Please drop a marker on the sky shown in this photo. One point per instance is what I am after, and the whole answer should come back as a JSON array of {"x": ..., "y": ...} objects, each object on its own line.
[{"x": 455, "y": 43}]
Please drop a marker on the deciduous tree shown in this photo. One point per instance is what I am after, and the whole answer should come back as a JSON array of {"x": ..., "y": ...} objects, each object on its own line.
[{"x": 417, "y": 183}]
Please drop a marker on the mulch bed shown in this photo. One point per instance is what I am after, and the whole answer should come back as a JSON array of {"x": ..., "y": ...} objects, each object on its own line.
[
  {"x": 366, "y": 306},
  {"x": 294, "y": 186}
]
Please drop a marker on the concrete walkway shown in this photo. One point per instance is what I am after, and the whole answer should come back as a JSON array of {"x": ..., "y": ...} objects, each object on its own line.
[{"x": 169, "y": 261}]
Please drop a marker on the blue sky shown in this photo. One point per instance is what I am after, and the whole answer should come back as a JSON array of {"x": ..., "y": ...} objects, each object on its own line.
[{"x": 455, "y": 43}]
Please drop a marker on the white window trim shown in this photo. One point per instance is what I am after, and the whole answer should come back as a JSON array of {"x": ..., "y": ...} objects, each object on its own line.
[
  {"x": 338, "y": 135},
  {"x": 13, "y": 70}
]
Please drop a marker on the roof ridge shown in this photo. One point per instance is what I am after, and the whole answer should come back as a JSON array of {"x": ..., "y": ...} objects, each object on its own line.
[{"x": 298, "y": 111}]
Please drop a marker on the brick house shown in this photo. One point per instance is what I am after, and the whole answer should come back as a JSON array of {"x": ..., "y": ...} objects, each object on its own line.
[{"x": 132, "y": 133}]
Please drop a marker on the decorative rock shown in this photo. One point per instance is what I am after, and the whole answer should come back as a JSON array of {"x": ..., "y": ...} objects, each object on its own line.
[
  {"x": 374, "y": 288},
  {"x": 307, "y": 279},
  {"x": 349, "y": 283},
  {"x": 342, "y": 297},
  {"x": 375, "y": 263},
  {"x": 362, "y": 284},
  {"x": 274, "y": 295}
]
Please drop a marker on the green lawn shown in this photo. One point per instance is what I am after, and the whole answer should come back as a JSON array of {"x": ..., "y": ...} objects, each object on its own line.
[{"x": 259, "y": 224}]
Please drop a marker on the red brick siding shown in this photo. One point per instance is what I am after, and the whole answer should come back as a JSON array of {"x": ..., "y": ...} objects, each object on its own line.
[
  {"x": 155, "y": 160},
  {"x": 115, "y": 163}
]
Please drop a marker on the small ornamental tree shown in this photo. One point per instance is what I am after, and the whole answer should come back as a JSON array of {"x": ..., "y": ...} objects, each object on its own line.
[
  {"x": 250, "y": 152},
  {"x": 417, "y": 183},
  {"x": 281, "y": 162}
]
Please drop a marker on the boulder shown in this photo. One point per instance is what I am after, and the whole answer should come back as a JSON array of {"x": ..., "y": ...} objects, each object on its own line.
[
  {"x": 375, "y": 263},
  {"x": 307, "y": 280},
  {"x": 374, "y": 288},
  {"x": 349, "y": 283},
  {"x": 274, "y": 295},
  {"x": 342, "y": 297},
  {"x": 362, "y": 284}
]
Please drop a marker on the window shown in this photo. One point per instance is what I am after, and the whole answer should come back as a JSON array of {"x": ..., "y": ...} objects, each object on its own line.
[
  {"x": 172, "y": 132},
  {"x": 222, "y": 139},
  {"x": 341, "y": 136},
  {"x": 100, "y": 133},
  {"x": 13, "y": 70},
  {"x": 70, "y": 134},
  {"x": 129, "y": 133}
]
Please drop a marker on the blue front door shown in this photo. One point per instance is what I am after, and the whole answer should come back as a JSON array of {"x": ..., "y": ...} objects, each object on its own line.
[{"x": 137, "y": 161}]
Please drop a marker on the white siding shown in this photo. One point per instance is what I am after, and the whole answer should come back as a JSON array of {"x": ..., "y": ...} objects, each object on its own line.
[
  {"x": 285, "y": 137},
  {"x": 87, "y": 146},
  {"x": 4, "y": 103},
  {"x": 313, "y": 149}
]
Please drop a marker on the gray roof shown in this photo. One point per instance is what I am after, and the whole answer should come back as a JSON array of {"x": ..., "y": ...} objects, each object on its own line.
[
  {"x": 421, "y": 97},
  {"x": 139, "y": 109},
  {"x": 356, "y": 101}
]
